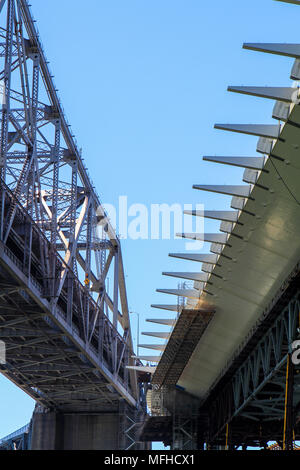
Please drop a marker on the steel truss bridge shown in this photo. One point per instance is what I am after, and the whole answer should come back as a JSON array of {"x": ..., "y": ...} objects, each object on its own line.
[
  {"x": 68, "y": 343},
  {"x": 226, "y": 378}
]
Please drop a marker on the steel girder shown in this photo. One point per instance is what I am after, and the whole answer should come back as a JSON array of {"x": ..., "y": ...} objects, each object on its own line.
[
  {"x": 19, "y": 440},
  {"x": 53, "y": 228},
  {"x": 253, "y": 400}
]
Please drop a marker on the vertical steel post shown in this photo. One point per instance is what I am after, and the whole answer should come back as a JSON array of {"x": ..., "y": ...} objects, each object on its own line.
[
  {"x": 288, "y": 406},
  {"x": 6, "y": 106},
  {"x": 54, "y": 211},
  {"x": 227, "y": 437},
  {"x": 116, "y": 307},
  {"x": 71, "y": 248},
  {"x": 53, "y": 238},
  {"x": 88, "y": 254},
  {"x": 29, "y": 175}
]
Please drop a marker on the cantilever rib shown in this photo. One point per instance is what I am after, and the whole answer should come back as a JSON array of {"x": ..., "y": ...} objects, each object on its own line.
[
  {"x": 253, "y": 163},
  {"x": 287, "y": 50},
  {"x": 229, "y": 190},
  {"x": 270, "y": 131},
  {"x": 285, "y": 94}
]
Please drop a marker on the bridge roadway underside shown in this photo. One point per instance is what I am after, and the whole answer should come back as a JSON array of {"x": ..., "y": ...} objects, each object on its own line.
[
  {"x": 82, "y": 389},
  {"x": 42, "y": 360},
  {"x": 257, "y": 399},
  {"x": 253, "y": 400}
]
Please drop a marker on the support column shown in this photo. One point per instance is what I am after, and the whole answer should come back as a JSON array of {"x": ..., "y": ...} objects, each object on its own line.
[
  {"x": 46, "y": 431},
  {"x": 87, "y": 431},
  {"x": 57, "y": 431}
]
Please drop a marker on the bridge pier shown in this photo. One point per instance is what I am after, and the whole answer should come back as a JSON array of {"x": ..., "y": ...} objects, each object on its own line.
[
  {"x": 86, "y": 431},
  {"x": 57, "y": 431}
]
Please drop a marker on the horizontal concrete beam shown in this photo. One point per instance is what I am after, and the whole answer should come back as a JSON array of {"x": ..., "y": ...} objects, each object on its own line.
[
  {"x": 172, "y": 308},
  {"x": 200, "y": 277},
  {"x": 201, "y": 258},
  {"x": 156, "y": 334}
]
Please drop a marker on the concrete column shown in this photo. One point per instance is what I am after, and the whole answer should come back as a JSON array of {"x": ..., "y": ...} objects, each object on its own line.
[
  {"x": 55, "y": 431},
  {"x": 44, "y": 431}
]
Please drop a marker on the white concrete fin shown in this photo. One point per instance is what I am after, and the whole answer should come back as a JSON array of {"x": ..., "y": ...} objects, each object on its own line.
[
  {"x": 162, "y": 321},
  {"x": 294, "y": 2},
  {"x": 189, "y": 293},
  {"x": 171, "y": 308},
  {"x": 288, "y": 50},
  {"x": 237, "y": 190},
  {"x": 201, "y": 258},
  {"x": 157, "y": 334},
  {"x": 271, "y": 131},
  {"x": 229, "y": 216},
  {"x": 147, "y": 358},
  {"x": 157, "y": 347},
  {"x": 286, "y": 94},
  {"x": 254, "y": 163},
  {"x": 199, "y": 277},
  {"x": 147, "y": 369},
  {"x": 206, "y": 237}
]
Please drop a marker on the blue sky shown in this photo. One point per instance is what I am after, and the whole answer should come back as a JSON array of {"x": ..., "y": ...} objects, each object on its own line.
[{"x": 142, "y": 83}]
